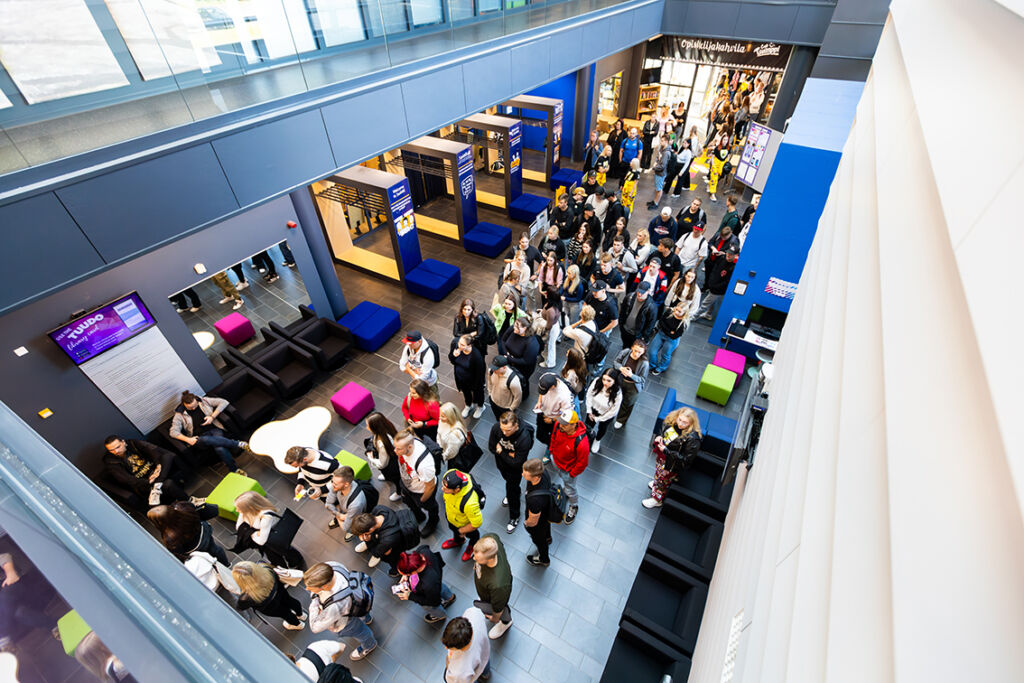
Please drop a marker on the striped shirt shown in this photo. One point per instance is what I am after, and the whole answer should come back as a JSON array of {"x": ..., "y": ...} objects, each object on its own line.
[{"x": 317, "y": 474}]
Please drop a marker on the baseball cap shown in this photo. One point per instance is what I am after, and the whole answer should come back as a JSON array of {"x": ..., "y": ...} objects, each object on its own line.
[
  {"x": 599, "y": 286},
  {"x": 733, "y": 249},
  {"x": 568, "y": 417},
  {"x": 698, "y": 226},
  {"x": 666, "y": 211},
  {"x": 499, "y": 362},
  {"x": 547, "y": 380},
  {"x": 589, "y": 207},
  {"x": 644, "y": 288},
  {"x": 412, "y": 337},
  {"x": 656, "y": 261},
  {"x": 453, "y": 479}
]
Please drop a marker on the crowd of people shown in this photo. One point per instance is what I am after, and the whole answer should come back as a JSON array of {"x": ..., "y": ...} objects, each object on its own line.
[{"x": 188, "y": 299}]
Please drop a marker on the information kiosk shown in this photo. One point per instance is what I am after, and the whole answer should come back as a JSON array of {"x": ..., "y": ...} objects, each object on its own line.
[{"x": 542, "y": 130}]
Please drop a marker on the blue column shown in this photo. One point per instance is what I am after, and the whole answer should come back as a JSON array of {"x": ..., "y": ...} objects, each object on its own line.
[{"x": 309, "y": 223}]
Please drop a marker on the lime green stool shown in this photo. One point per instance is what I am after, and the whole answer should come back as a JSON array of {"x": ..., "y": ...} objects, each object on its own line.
[
  {"x": 358, "y": 465},
  {"x": 716, "y": 384},
  {"x": 72, "y": 628},
  {"x": 230, "y": 487}
]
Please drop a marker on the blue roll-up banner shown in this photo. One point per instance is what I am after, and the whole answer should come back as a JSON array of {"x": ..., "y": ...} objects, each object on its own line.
[
  {"x": 466, "y": 188},
  {"x": 556, "y": 136},
  {"x": 400, "y": 201},
  {"x": 515, "y": 160}
]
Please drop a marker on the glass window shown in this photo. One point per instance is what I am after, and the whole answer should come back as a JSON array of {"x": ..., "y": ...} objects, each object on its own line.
[
  {"x": 339, "y": 21},
  {"x": 488, "y": 5},
  {"x": 426, "y": 12}
]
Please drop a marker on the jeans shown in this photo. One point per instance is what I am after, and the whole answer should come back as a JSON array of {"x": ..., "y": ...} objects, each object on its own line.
[
  {"x": 357, "y": 628},
  {"x": 660, "y": 351},
  {"x": 571, "y": 311},
  {"x": 193, "y": 301},
  {"x": 215, "y": 440},
  {"x": 437, "y": 611},
  {"x": 568, "y": 482},
  {"x": 286, "y": 252}
]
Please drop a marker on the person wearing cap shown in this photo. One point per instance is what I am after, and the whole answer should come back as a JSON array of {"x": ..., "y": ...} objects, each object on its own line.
[
  {"x": 588, "y": 219},
  {"x": 510, "y": 441},
  {"x": 599, "y": 202},
  {"x": 554, "y": 397},
  {"x": 663, "y": 225},
  {"x": 632, "y": 363},
  {"x": 718, "y": 245},
  {"x": 570, "y": 453},
  {"x": 689, "y": 216},
  {"x": 579, "y": 200},
  {"x": 590, "y": 183},
  {"x": 418, "y": 359},
  {"x": 692, "y": 248},
  {"x": 718, "y": 282},
  {"x": 638, "y": 316},
  {"x": 463, "y": 509},
  {"x": 606, "y": 310},
  {"x": 504, "y": 387}
]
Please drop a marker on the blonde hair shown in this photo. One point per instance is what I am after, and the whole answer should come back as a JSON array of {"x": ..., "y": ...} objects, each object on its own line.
[
  {"x": 587, "y": 313},
  {"x": 487, "y": 547},
  {"x": 670, "y": 420},
  {"x": 255, "y": 580},
  {"x": 451, "y": 415},
  {"x": 318, "y": 576},
  {"x": 251, "y": 505},
  {"x": 572, "y": 276}
]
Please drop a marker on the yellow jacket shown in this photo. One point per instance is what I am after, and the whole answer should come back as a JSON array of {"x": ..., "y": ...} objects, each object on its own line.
[{"x": 470, "y": 513}]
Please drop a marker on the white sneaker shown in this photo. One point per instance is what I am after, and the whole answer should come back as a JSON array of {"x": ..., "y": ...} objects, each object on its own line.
[
  {"x": 242, "y": 285},
  {"x": 465, "y": 411},
  {"x": 478, "y": 412},
  {"x": 380, "y": 477},
  {"x": 361, "y": 547},
  {"x": 650, "y": 484},
  {"x": 238, "y": 304},
  {"x": 374, "y": 561},
  {"x": 498, "y": 630},
  {"x": 618, "y": 425},
  {"x": 349, "y": 535},
  {"x": 597, "y": 446},
  {"x": 651, "y": 503},
  {"x": 394, "y": 497},
  {"x": 297, "y": 627},
  {"x": 226, "y": 299},
  {"x": 504, "y": 502}
]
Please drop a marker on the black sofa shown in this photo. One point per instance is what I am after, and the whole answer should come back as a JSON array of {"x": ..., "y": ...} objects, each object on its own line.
[
  {"x": 700, "y": 487},
  {"x": 639, "y": 656},
  {"x": 253, "y": 398},
  {"x": 687, "y": 539},
  {"x": 328, "y": 342},
  {"x": 667, "y": 602},
  {"x": 291, "y": 370}
]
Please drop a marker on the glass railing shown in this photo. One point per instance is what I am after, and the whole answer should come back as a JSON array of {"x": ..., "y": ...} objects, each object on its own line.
[{"x": 82, "y": 74}]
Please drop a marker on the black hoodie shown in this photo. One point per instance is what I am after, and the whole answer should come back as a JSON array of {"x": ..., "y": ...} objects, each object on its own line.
[{"x": 515, "y": 449}]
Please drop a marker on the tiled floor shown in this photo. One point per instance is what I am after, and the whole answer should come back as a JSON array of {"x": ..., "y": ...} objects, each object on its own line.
[{"x": 565, "y": 616}]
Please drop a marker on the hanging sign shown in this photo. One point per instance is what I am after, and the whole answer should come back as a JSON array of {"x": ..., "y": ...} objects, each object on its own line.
[
  {"x": 515, "y": 160},
  {"x": 556, "y": 136},
  {"x": 406, "y": 239},
  {"x": 466, "y": 188},
  {"x": 731, "y": 53}
]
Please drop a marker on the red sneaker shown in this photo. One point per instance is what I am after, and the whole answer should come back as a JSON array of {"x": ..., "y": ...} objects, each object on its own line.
[
  {"x": 467, "y": 555},
  {"x": 451, "y": 543}
]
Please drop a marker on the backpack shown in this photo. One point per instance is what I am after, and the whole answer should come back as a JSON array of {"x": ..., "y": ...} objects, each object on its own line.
[
  {"x": 558, "y": 502},
  {"x": 368, "y": 489},
  {"x": 435, "y": 452},
  {"x": 488, "y": 332},
  {"x": 360, "y": 587},
  {"x": 479, "y": 493},
  {"x": 512, "y": 374},
  {"x": 408, "y": 527},
  {"x": 597, "y": 349},
  {"x": 433, "y": 347}
]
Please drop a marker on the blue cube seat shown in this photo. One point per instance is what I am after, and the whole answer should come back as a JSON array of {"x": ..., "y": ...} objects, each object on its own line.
[
  {"x": 669, "y": 403},
  {"x": 487, "y": 239},
  {"x": 719, "y": 434},
  {"x": 371, "y": 324},
  {"x": 433, "y": 279},
  {"x": 525, "y": 207},
  {"x": 566, "y": 176}
]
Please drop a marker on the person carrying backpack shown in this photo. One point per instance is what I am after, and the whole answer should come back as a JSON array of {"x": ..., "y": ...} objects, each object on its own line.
[
  {"x": 504, "y": 387},
  {"x": 348, "y": 497},
  {"x": 570, "y": 453},
  {"x": 463, "y": 506},
  {"x": 538, "y": 510},
  {"x": 420, "y": 358},
  {"x": 341, "y": 603},
  {"x": 418, "y": 464},
  {"x": 387, "y": 533}
]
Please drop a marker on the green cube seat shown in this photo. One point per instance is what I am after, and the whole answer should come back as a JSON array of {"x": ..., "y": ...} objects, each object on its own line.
[
  {"x": 230, "y": 487},
  {"x": 72, "y": 628},
  {"x": 358, "y": 465},
  {"x": 716, "y": 384}
]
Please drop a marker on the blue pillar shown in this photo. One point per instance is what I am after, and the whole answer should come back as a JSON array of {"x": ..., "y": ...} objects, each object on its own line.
[{"x": 309, "y": 223}]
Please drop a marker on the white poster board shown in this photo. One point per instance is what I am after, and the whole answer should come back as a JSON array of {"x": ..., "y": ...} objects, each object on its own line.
[
  {"x": 143, "y": 377},
  {"x": 758, "y": 155}
]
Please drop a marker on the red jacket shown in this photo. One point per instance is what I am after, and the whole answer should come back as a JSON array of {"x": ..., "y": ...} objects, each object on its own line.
[
  {"x": 566, "y": 455},
  {"x": 419, "y": 410}
]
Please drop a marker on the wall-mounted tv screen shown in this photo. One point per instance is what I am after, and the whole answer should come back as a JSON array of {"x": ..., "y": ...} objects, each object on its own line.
[{"x": 103, "y": 328}]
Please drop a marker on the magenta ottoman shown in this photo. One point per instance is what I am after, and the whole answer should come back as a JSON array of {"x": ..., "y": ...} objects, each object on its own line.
[
  {"x": 353, "y": 402},
  {"x": 235, "y": 329},
  {"x": 729, "y": 360}
]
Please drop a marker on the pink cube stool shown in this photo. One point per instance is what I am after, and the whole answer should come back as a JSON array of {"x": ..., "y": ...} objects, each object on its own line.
[
  {"x": 352, "y": 402},
  {"x": 235, "y": 329},
  {"x": 730, "y": 360}
]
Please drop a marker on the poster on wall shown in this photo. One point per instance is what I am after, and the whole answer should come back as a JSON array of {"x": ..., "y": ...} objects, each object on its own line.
[
  {"x": 143, "y": 377},
  {"x": 406, "y": 239},
  {"x": 103, "y": 328},
  {"x": 757, "y": 156},
  {"x": 467, "y": 187},
  {"x": 515, "y": 160},
  {"x": 556, "y": 136},
  {"x": 739, "y": 54}
]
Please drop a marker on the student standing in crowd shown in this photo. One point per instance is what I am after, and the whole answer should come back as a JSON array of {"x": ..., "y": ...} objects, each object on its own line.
[
  {"x": 629, "y": 184},
  {"x": 538, "y": 506},
  {"x": 719, "y": 155},
  {"x": 570, "y": 453},
  {"x": 338, "y": 607},
  {"x": 550, "y": 273},
  {"x": 510, "y": 441},
  {"x": 686, "y": 291},
  {"x": 522, "y": 349},
  {"x": 551, "y": 313},
  {"x": 492, "y": 576},
  {"x": 639, "y": 316},
  {"x": 661, "y": 163},
  {"x": 419, "y": 479},
  {"x": 185, "y": 529},
  {"x": 600, "y": 204},
  {"x": 470, "y": 373},
  {"x": 583, "y": 330},
  {"x": 504, "y": 387},
  {"x": 554, "y": 398},
  {"x": 518, "y": 272},
  {"x": 380, "y": 451},
  {"x": 630, "y": 148},
  {"x": 585, "y": 260},
  {"x": 690, "y": 216},
  {"x": 422, "y": 582},
  {"x": 611, "y": 276},
  {"x": 633, "y": 365},
  {"x": 263, "y": 591},
  {"x": 592, "y": 151},
  {"x": 451, "y": 432},
  {"x": 418, "y": 358},
  {"x": 641, "y": 246},
  {"x": 603, "y": 401},
  {"x": 195, "y": 422},
  {"x": 650, "y": 133},
  {"x": 469, "y": 322},
  {"x": 563, "y": 217},
  {"x": 662, "y": 225},
  {"x": 670, "y": 329},
  {"x": 505, "y": 313},
  {"x": 615, "y": 211},
  {"x": 606, "y": 311},
  {"x": 616, "y": 229},
  {"x": 463, "y": 507},
  {"x": 552, "y": 241},
  {"x": 152, "y": 473},
  {"x": 718, "y": 282},
  {"x": 319, "y": 662},
  {"x": 531, "y": 257},
  {"x": 315, "y": 470},
  {"x": 692, "y": 249},
  {"x": 469, "y": 649},
  {"x": 684, "y": 158},
  {"x": 654, "y": 276},
  {"x": 347, "y": 498},
  {"x": 420, "y": 407},
  {"x": 604, "y": 165},
  {"x": 675, "y": 448},
  {"x": 669, "y": 263},
  {"x": 257, "y": 518},
  {"x": 386, "y": 533},
  {"x": 573, "y": 291},
  {"x": 616, "y": 136},
  {"x": 574, "y": 371}
]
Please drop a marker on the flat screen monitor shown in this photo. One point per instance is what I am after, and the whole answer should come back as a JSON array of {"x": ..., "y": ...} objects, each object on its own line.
[
  {"x": 766, "y": 317},
  {"x": 88, "y": 335}
]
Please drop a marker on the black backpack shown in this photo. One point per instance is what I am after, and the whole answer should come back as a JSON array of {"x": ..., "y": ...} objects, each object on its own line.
[
  {"x": 597, "y": 349},
  {"x": 487, "y": 332},
  {"x": 437, "y": 356},
  {"x": 408, "y": 527},
  {"x": 480, "y": 494},
  {"x": 360, "y": 587},
  {"x": 558, "y": 502},
  {"x": 435, "y": 452},
  {"x": 368, "y": 489},
  {"x": 512, "y": 374}
]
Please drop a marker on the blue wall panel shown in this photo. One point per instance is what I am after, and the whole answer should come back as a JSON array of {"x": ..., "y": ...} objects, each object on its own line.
[
  {"x": 148, "y": 203},
  {"x": 530, "y": 65},
  {"x": 674, "y": 20},
  {"x": 646, "y": 23},
  {"x": 44, "y": 248},
  {"x": 712, "y": 18},
  {"x": 365, "y": 124},
  {"x": 565, "y": 51},
  {"x": 810, "y": 24},
  {"x": 563, "y": 88},
  {"x": 595, "y": 41},
  {"x": 487, "y": 80},
  {"x": 766, "y": 22},
  {"x": 432, "y": 98},
  {"x": 265, "y": 160},
  {"x": 782, "y": 232}
]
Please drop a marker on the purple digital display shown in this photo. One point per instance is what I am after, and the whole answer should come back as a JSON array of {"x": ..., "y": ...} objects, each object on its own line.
[{"x": 89, "y": 335}]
